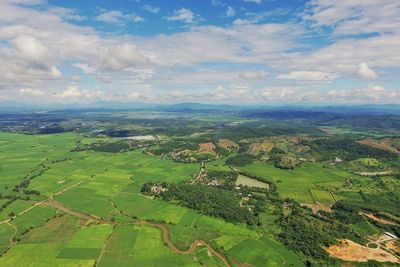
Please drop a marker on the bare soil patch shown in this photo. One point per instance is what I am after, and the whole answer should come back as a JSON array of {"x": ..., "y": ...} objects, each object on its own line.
[
  {"x": 348, "y": 250},
  {"x": 328, "y": 131},
  {"x": 393, "y": 245},
  {"x": 255, "y": 149},
  {"x": 318, "y": 206},
  {"x": 207, "y": 147},
  {"x": 227, "y": 144},
  {"x": 384, "y": 144}
]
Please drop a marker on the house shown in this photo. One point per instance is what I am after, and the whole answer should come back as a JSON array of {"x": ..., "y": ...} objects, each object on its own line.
[
  {"x": 391, "y": 235},
  {"x": 158, "y": 189}
]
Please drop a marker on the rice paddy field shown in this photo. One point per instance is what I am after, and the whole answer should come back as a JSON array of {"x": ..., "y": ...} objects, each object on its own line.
[{"x": 106, "y": 187}]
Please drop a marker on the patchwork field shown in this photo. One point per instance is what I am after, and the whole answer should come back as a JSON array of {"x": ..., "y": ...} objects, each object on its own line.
[{"x": 107, "y": 186}]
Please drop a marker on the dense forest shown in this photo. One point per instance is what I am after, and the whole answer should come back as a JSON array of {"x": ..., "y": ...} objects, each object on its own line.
[
  {"x": 210, "y": 201},
  {"x": 345, "y": 148}
]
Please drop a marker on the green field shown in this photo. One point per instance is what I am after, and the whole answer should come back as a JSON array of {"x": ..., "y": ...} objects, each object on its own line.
[
  {"x": 107, "y": 186},
  {"x": 297, "y": 183},
  {"x": 322, "y": 196}
]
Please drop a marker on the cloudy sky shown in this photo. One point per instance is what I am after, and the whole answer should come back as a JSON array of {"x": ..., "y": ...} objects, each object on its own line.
[{"x": 209, "y": 51}]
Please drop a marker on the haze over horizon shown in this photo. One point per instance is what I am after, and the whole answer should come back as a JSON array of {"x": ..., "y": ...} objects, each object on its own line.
[{"x": 211, "y": 51}]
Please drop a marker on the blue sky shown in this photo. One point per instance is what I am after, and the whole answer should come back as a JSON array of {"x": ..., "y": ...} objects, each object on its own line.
[{"x": 211, "y": 51}]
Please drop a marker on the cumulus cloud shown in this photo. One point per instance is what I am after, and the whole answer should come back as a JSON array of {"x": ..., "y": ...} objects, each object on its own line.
[
  {"x": 117, "y": 17},
  {"x": 75, "y": 78},
  {"x": 70, "y": 92},
  {"x": 316, "y": 76},
  {"x": 31, "y": 50},
  {"x": 66, "y": 13},
  {"x": 355, "y": 17},
  {"x": 253, "y": 1},
  {"x": 28, "y": 2},
  {"x": 123, "y": 56},
  {"x": 365, "y": 72},
  {"x": 151, "y": 9},
  {"x": 73, "y": 92},
  {"x": 56, "y": 73},
  {"x": 230, "y": 11},
  {"x": 85, "y": 68},
  {"x": 183, "y": 14},
  {"x": 253, "y": 74},
  {"x": 373, "y": 93},
  {"x": 239, "y": 44},
  {"x": 242, "y": 22},
  {"x": 35, "y": 40},
  {"x": 31, "y": 92}
]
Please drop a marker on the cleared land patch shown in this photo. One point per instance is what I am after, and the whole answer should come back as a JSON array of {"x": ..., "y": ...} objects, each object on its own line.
[
  {"x": 350, "y": 251},
  {"x": 250, "y": 182}
]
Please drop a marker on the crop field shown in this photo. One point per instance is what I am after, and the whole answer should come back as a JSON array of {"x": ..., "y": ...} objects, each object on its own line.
[
  {"x": 296, "y": 184},
  {"x": 136, "y": 246},
  {"x": 43, "y": 246},
  {"x": 263, "y": 251},
  {"x": 218, "y": 165},
  {"x": 322, "y": 196},
  {"x": 247, "y": 181},
  {"x": 148, "y": 209}
]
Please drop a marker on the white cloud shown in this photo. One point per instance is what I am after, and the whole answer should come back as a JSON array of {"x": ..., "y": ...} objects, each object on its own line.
[
  {"x": 355, "y": 17},
  {"x": 230, "y": 11},
  {"x": 117, "y": 17},
  {"x": 28, "y": 2},
  {"x": 151, "y": 9},
  {"x": 73, "y": 92},
  {"x": 31, "y": 50},
  {"x": 316, "y": 76},
  {"x": 85, "y": 68},
  {"x": 70, "y": 92},
  {"x": 183, "y": 14},
  {"x": 31, "y": 92},
  {"x": 217, "y": 3},
  {"x": 66, "y": 13},
  {"x": 36, "y": 39},
  {"x": 240, "y": 44},
  {"x": 253, "y": 74},
  {"x": 373, "y": 93},
  {"x": 242, "y": 22},
  {"x": 253, "y": 1},
  {"x": 123, "y": 56},
  {"x": 365, "y": 72},
  {"x": 56, "y": 73},
  {"x": 75, "y": 79}
]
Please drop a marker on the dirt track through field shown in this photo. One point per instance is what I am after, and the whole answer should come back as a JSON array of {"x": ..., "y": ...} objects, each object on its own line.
[{"x": 164, "y": 230}]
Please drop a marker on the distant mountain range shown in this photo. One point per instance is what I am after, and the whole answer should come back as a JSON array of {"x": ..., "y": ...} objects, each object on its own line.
[{"x": 200, "y": 107}]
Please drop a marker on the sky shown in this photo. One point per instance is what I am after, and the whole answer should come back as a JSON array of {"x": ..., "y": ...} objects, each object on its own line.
[{"x": 208, "y": 51}]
